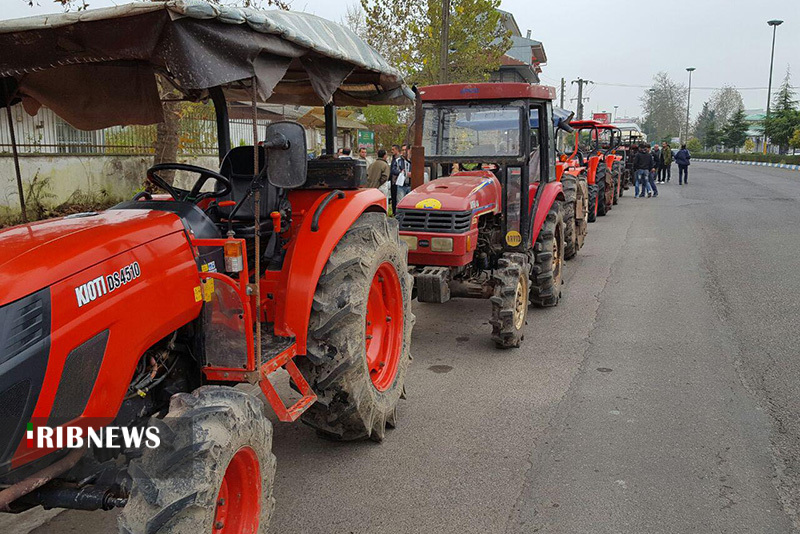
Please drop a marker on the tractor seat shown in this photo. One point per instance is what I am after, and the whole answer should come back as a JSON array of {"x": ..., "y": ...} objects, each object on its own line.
[{"x": 237, "y": 166}]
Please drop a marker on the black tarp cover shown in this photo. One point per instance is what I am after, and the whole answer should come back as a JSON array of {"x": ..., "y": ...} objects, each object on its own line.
[{"x": 97, "y": 68}]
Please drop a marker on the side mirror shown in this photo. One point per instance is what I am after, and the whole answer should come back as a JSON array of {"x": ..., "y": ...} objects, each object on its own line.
[{"x": 287, "y": 162}]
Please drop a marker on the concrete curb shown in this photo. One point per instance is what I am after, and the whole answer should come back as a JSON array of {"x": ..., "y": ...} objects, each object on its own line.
[{"x": 757, "y": 163}]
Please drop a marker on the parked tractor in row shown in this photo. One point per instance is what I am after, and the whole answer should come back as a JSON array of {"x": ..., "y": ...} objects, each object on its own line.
[
  {"x": 147, "y": 315},
  {"x": 489, "y": 223}
]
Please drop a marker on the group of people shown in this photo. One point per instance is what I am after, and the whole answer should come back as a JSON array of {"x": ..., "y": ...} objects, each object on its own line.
[
  {"x": 396, "y": 173},
  {"x": 654, "y": 166}
]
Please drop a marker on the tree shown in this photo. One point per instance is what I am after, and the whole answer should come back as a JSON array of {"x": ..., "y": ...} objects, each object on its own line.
[
  {"x": 794, "y": 142},
  {"x": 713, "y": 136},
  {"x": 408, "y": 33},
  {"x": 784, "y": 118},
  {"x": 385, "y": 122},
  {"x": 734, "y": 133},
  {"x": 704, "y": 120},
  {"x": 664, "y": 106},
  {"x": 694, "y": 145},
  {"x": 725, "y": 102}
]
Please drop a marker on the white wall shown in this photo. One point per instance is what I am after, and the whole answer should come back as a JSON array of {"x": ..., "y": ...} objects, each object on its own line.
[{"x": 120, "y": 176}]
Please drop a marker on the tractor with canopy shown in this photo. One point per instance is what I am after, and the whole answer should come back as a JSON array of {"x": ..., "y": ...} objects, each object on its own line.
[{"x": 146, "y": 315}]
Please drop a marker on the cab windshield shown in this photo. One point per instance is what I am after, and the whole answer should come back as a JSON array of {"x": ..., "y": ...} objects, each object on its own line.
[{"x": 472, "y": 131}]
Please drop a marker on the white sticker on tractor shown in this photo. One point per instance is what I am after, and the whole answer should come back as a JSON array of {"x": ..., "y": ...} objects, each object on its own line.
[{"x": 103, "y": 285}]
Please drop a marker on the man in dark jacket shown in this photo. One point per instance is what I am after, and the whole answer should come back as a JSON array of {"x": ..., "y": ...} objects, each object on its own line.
[
  {"x": 398, "y": 166},
  {"x": 642, "y": 165},
  {"x": 657, "y": 161},
  {"x": 682, "y": 158},
  {"x": 666, "y": 156}
]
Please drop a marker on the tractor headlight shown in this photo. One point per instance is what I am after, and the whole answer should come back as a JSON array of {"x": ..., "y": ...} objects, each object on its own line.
[
  {"x": 442, "y": 244},
  {"x": 410, "y": 240}
]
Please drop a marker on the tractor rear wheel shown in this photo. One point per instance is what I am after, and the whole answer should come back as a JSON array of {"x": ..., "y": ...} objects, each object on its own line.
[
  {"x": 510, "y": 300},
  {"x": 594, "y": 195},
  {"x": 570, "y": 186},
  {"x": 212, "y": 472},
  {"x": 360, "y": 333},
  {"x": 617, "y": 179},
  {"x": 582, "y": 213},
  {"x": 548, "y": 260}
]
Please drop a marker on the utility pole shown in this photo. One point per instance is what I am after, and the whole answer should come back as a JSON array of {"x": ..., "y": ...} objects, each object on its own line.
[
  {"x": 690, "y": 70},
  {"x": 445, "y": 44},
  {"x": 563, "y": 90},
  {"x": 581, "y": 82},
  {"x": 774, "y": 24}
]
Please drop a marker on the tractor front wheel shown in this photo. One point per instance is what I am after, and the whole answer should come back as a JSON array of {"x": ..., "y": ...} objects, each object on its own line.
[
  {"x": 212, "y": 472},
  {"x": 548, "y": 260},
  {"x": 510, "y": 300},
  {"x": 360, "y": 333}
]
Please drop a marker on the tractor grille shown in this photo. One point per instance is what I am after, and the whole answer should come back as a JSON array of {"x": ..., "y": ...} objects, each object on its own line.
[{"x": 446, "y": 222}]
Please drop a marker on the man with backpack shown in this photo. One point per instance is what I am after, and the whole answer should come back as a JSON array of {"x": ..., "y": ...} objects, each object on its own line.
[{"x": 682, "y": 158}]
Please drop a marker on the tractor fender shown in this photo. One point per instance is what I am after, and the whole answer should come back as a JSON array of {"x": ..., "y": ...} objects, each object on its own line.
[
  {"x": 553, "y": 191},
  {"x": 309, "y": 250}
]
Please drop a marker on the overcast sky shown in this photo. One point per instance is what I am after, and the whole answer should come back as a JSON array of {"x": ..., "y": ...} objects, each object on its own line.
[{"x": 626, "y": 43}]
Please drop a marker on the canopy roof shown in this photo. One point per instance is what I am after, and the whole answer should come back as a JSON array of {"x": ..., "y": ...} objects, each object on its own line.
[{"x": 97, "y": 68}]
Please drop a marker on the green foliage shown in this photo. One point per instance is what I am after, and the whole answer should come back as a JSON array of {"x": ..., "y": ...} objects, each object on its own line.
[
  {"x": 704, "y": 120},
  {"x": 725, "y": 102},
  {"x": 734, "y": 132},
  {"x": 408, "y": 34},
  {"x": 741, "y": 156},
  {"x": 380, "y": 115},
  {"x": 694, "y": 145},
  {"x": 385, "y": 122},
  {"x": 794, "y": 142},
  {"x": 784, "y": 118}
]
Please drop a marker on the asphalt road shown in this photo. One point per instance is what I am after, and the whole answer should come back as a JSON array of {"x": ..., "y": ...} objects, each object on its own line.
[{"x": 661, "y": 396}]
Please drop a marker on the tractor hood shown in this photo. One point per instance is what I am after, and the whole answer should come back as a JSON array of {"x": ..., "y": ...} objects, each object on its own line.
[
  {"x": 37, "y": 255},
  {"x": 462, "y": 191}
]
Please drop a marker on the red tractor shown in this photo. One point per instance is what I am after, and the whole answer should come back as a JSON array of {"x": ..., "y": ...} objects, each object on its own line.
[
  {"x": 144, "y": 317},
  {"x": 594, "y": 149},
  {"x": 489, "y": 223}
]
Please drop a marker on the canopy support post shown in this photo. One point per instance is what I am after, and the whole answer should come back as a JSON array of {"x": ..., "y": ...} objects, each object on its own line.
[
  {"x": 16, "y": 161},
  {"x": 223, "y": 126},
  {"x": 330, "y": 129},
  {"x": 257, "y": 212}
]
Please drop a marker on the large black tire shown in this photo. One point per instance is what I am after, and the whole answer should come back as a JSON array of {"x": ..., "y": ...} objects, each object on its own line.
[
  {"x": 602, "y": 195},
  {"x": 548, "y": 260},
  {"x": 570, "y": 186},
  {"x": 175, "y": 486},
  {"x": 594, "y": 195},
  {"x": 510, "y": 300},
  {"x": 349, "y": 405},
  {"x": 617, "y": 170},
  {"x": 582, "y": 207}
]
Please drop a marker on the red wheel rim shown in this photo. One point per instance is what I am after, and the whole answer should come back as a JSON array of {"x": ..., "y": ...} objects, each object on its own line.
[
  {"x": 239, "y": 498},
  {"x": 384, "y": 328}
]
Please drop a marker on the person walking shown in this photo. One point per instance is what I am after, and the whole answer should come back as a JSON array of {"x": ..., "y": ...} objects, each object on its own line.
[
  {"x": 656, "y": 156},
  {"x": 658, "y": 161},
  {"x": 666, "y": 156},
  {"x": 397, "y": 170},
  {"x": 682, "y": 158},
  {"x": 378, "y": 172},
  {"x": 642, "y": 163}
]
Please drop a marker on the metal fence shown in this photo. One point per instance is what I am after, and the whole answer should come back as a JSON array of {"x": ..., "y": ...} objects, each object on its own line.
[{"x": 46, "y": 133}]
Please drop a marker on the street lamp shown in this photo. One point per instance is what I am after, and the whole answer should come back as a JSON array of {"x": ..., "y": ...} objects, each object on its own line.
[
  {"x": 774, "y": 24},
  {"x": 615, "y": 113},
  {"x": 688, "y": 103}
]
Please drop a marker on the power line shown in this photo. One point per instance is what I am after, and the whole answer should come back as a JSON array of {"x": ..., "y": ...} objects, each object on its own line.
[{"x": 636, "y": 86}]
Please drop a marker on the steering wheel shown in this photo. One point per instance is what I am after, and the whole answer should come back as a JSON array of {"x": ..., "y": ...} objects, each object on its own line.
[{"x": 182, "y": 195}]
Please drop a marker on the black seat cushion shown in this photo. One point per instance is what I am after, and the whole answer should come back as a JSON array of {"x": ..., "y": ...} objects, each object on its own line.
[{"x": 237, "y": 166}]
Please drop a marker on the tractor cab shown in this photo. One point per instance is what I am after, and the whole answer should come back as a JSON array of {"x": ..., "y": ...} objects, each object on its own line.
[{"x": 489, "y": 157}]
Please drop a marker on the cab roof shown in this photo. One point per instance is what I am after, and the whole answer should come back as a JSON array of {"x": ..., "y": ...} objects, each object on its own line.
[
  {"x": 486, "y": 91},
  {"x": 589, "y": 123}
]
